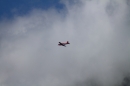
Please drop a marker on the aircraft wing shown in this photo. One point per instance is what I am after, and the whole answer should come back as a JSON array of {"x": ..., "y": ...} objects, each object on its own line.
[{"x": 61, "y": 44}]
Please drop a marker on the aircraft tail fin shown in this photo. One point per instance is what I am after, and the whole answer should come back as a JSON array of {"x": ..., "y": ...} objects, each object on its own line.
[{"x": 68, "y": 42}]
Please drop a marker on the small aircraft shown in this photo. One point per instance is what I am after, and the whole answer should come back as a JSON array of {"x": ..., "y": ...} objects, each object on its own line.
[{"x": 63, "y": 44}]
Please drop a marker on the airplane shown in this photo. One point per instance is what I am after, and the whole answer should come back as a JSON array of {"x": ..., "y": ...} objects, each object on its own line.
[{"x": 63, "y": 44}]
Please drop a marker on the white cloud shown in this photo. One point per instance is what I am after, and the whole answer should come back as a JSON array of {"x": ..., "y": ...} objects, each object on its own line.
[{"x": 98, "y": 52}]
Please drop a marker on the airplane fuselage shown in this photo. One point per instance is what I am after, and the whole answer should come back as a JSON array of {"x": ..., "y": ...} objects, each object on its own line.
[{"x": 63, "y": 44}]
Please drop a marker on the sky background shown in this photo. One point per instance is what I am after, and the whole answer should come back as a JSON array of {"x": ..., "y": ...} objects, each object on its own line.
[
  {"x": 98, "y": 53},
  {"x": 21, "y": 7}
]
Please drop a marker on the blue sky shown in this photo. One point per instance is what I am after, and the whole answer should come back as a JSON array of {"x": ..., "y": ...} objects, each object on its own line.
[{"x": 20, "y": 7}]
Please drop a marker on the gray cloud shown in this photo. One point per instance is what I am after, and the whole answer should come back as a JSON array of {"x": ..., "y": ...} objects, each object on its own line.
[{"x": 98, "y": 54}]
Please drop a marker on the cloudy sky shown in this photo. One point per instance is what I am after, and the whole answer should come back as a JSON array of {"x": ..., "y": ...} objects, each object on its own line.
[{"x": 98, "y": 32}]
